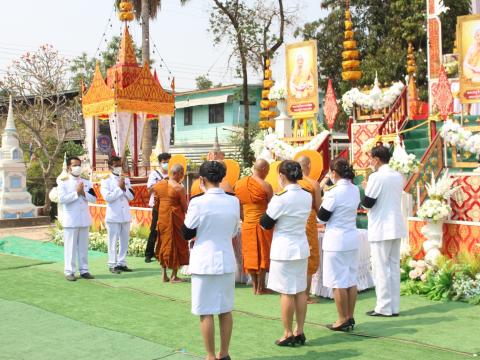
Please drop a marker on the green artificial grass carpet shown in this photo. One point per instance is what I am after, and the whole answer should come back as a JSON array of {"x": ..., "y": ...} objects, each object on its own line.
[
  {"x": 45, "y": 251},
  {"x": 139, "y": 305}
]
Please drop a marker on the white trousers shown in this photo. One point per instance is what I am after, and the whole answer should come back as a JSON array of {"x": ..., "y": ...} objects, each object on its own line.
[
  {"x": 386, "y": 274},
  {"x": 118, "y": 233},
  {"x": 75, "y": 244}
]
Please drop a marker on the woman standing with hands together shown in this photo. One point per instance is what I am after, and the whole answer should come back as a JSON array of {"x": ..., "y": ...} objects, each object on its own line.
[{"x": 287, "y": 213}]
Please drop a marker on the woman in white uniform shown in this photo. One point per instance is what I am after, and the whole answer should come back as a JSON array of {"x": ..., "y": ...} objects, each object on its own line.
[
  {"x": 340, "y": 242},
  {"x": 288, "y": 212},
  {"x": 213, "y": 218}
]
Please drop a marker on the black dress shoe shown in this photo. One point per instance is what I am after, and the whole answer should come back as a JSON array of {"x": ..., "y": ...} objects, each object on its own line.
[
  {"x": 289, "y": 341},
  {"x": 342, "y": 327},
  {"x": 148, "y": 259},
  {"x": 115, "y": 270},
  {"x": 374, "y": 313},
  {"x": 124, "y": 268},
  {"x": 225, "y": 358},
  {"x": 352, "y": 322},
  {"x": 396, "y": 314},
  {"x": 87, "y": 276},
  {"x": 300, "y": 339}
]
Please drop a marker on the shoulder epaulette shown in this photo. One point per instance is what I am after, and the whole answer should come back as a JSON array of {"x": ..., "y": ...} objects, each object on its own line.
[
  {"x": 196, "y": 196},
  {"x": 230, "y": 193},
  {"x": 305, "y": 189},
  {"x": 328, "y": 188},
  {"x": 281, "y": 192}
]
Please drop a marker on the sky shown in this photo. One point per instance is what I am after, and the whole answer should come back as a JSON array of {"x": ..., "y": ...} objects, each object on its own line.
[{"x": 179, "y": 33}]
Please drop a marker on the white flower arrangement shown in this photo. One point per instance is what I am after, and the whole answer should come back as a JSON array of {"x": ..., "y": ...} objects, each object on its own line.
[
  {"x": 401, "y": 161},
  {"x": 375, "y": 100},
  {"x": 278, "y": 92},
  {"x": 418, "y": 272},
  {"x": 442, "y": 188},
  {"x": 455, "y": 135},
  {"x": 283, "y": 150},
  {"x": 465, "y": 287},
  {"x": 435, "y": 210},
  {"x": 472, "y": 144}
]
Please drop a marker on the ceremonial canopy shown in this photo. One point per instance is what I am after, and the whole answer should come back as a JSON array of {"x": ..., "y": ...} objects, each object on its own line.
[{"x": 129, "y": 96}]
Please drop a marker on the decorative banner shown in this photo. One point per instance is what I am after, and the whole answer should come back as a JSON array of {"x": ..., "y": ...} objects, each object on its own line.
[
  {"x": 361, "y": 133},
  {"x": 442, "y": 95},
  {"x": 468, "y": 43},
  {"x": 330, "y": 109},
  {"x": 316, "y": 162},
  {"x": 164, "y": 128},
  {"x": 302, "y": 77},
  {"x": 104, "y": 144},
  {"x": 89, "y": 123}
]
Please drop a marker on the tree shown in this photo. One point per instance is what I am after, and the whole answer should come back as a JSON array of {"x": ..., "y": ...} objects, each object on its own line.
[
  {"x": 248, "y": 29},
  {"x": 45, "y": 112},
  {"x": 83, "y": 68},
  {"x": 203, "y": 82}
]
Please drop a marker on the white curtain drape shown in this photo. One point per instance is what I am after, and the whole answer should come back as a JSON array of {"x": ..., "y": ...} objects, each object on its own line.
[
  {"x": 164, "y": 127},
  {"x": 120, "y": 125},
  {"x": 141, "y": 118},
  {"x": 89, "y": 140}
]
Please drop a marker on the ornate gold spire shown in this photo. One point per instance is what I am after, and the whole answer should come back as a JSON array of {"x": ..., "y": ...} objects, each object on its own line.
[
  {"x": 411, "y": 66},
  {"x": 126, "y": 54},
  {"x": 350, "y": 54},
  {"x": 266, "y": 114}
]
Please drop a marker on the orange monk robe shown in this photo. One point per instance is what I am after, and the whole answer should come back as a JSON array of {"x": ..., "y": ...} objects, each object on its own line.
[
  {"x": 255, "y": 240},
  {"x": 172, "y": 251},
  {"x": 312, "y": 232},
  {"x": 195, "y": 189}
]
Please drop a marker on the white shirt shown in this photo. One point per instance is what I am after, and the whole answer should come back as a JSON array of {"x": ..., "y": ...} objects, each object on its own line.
[
  {"x": 75, "y": 207},
  {"x": 290, "y": 209},
  {"x": 342, "y": 201},
  {"x": 154, "y": 177},
  {"x": 385, "y": 218},
  {"x": 216, "y": 216},
  {"x": 118, "y": 208}
]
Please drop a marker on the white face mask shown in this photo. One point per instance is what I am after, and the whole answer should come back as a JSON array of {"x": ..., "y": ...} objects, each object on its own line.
[
  {"x": 76, "y": 170},
  {"x": 117, "y": 171},
  {"x": 165, "y": 166}
]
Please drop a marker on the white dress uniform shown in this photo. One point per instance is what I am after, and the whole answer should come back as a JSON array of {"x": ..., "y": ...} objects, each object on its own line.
[
  {"x": 340, "y": 242},
  {"x": 76, "y": 221},
  {"x": 118, "y": 218},
  {"x": 154, "y": 177},
  {"x": 386, "y": 225},
  {"x": 289, "y": 251},
  {"x": 215, "y": 215}
]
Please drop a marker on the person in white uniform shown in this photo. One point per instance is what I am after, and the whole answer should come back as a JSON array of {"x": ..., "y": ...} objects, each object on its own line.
[
  {"x": 74, "y": 193},
  {"x": 287, "y": 213},
  {"x": 340, "y": 242},
  {"x": 213, "y": 218},
  {"x": 386, "y": 227},
  {"x": 117, "y": 192},
  {"x": 154, "y": 177}
]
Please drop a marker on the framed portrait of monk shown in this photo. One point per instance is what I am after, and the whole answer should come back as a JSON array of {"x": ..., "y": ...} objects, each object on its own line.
[
  {"x": 302, "y": 79},
  {"x": 468, "y": 43}
]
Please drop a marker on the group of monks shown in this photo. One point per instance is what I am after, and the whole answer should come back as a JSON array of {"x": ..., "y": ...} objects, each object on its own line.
[{"x": 254, "y": 194}]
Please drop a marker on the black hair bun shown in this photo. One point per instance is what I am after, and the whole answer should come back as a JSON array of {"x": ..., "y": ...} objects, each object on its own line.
[
  {"x": 213, "y": 171},
  {"x": 291, "y": 169}
]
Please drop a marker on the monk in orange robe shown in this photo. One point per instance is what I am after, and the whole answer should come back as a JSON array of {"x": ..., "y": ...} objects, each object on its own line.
[
  {"x": 313, "y": 188},
  {"x": 170, "y": 200},
  {"x": 196, "y": 190},
  {"x": 254, "y": 194}
]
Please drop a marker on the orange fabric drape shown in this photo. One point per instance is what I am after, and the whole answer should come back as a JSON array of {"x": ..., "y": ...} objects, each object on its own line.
[
  {"x": 256, "y": 241},
  {"x": 312, "y": 232},
  {"x": 172, "y": 249}
]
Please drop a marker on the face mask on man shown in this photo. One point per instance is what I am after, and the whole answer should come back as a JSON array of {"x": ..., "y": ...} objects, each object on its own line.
[
  {"x": 76, "y": 170},
  {"x": 165, "y": 166},
  {"x": 117, "y": 171}
]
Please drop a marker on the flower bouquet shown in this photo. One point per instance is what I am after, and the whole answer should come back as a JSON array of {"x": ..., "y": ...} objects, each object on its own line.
[
  {"x": 401, "y": 161},
  {"x": 278, "y": 92}
]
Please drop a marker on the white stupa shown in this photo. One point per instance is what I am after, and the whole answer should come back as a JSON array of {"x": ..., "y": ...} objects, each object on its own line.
[{"x": 15, "y": 201}]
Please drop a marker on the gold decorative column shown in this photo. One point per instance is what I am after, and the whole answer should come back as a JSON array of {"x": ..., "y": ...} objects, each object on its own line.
[
  {"x": 267, "y": 114},
  {"x": 126, "y": 11},
  {"x": 350, "y": 55}
]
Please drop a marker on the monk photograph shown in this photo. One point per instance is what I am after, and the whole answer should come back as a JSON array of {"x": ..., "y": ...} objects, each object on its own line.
[
  {"x": 302, "y": 78},
  {"x": 468, "y": 40}
]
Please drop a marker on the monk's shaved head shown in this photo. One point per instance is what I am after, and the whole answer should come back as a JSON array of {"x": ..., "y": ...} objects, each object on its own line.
[
  {"x": 261, "y": 168},
  {"x": 305, "y": 163},
  {"x": 176, "y": 169}
]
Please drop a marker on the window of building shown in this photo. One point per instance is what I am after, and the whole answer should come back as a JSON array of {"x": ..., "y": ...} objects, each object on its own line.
[
  {"x": 216, "y": 113},
  {"x": 187, "y": 116}
]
